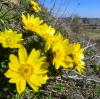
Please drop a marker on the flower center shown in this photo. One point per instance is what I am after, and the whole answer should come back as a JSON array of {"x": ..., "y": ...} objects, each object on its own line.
[
  {"x": 30, "y": 25},
  {"x": 26, "y": 70}
]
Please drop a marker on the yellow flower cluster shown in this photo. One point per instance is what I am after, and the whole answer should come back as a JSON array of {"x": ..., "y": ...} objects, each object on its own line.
[
  {"x": 32, "y": 68},
  {"x": 64, "y": 54},
  {"x": 42, "y": 29}
]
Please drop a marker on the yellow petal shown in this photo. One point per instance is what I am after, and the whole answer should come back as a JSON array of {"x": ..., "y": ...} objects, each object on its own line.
[
  {"x": 80, "y": 68},
  {"x": 22, "y": 53},
  {"x": 14, "y": 59},
  {"x": 10, "y": 73},
  {"x": 33, "y": 86},
  {"x": 69, "y": 59},
  {"x": 14, "y": 66},
  {"x": 24, "y": 18},
  {"x": 44, "y": 79},
  {"x": 77, "y": 47},
  {"x": 70, "y": 65},
  {"x": 21, "y": 85},
  {"x": 67, "y": 65},
  {"x": 36, "y": 81},
  {"x": 33, "y": 56},
  {"x": 57, "y": 65},
  {"x": 40, "y": 71},
  {"x": 15, "y": 78}
]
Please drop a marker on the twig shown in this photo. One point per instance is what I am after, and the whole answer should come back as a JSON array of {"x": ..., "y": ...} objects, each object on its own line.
[
  {"x": 88, "y": 42},
  {"x": 90, "y": 46},
  {"x": 78, "y": 76},
  {"x": 97, "y": 56}
]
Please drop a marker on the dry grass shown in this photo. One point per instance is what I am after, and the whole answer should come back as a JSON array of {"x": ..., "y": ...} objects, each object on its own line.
[{"x": 93, "y": 34}]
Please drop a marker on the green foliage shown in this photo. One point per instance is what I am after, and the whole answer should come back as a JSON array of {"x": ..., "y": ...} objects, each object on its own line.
[
  {"x": 6, "y": 17},
  {"x": 59, "y": 87},
  {"x": 98, "y": 91}
]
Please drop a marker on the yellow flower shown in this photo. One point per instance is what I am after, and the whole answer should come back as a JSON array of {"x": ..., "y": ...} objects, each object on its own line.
[
  {"x": 47, "y": 33},
  {"x": 30, "y": 69},
  {"x": 35, "y": 6},
  {"x": 31, "y": 23},
  {"x": 61, "y": 50},
  {"x": 11, "y": 39},
  {"x": 46, "y": 30},
  {"x": 58, "y": 37},
  {"x": 78, "y": 56}
]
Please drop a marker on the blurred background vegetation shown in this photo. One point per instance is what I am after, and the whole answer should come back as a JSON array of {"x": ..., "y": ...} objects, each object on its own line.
[{"x": 60, "y": 86}]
